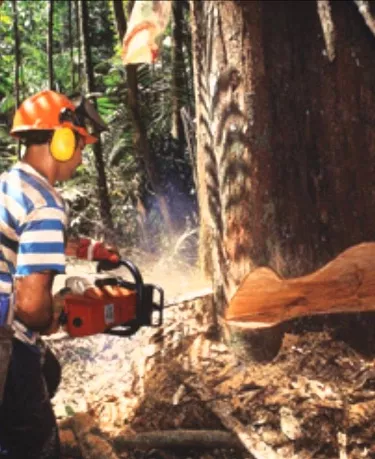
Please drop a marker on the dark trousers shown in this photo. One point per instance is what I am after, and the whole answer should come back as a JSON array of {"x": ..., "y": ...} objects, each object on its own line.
[{"x": 28, "y": 427}]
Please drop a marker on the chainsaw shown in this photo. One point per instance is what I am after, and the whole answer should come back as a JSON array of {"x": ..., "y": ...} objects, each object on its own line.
[{"x": 109, "y": 304}]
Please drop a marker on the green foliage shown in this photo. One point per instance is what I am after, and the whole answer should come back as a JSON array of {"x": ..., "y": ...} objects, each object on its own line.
[
  {"x": 102, "y": 34},
  {"x": 6, "y": 49},
  {"x": 126, "y": 174}
]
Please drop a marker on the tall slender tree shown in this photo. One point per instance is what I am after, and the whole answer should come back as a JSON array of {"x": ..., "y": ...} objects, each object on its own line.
[
  {"x": 141, "y": 141},
  {"x": 50, "y": 44},
  {"x": 178, "y": 80},
  {"x": 78, "y": 32},
  {"x": 17, "y": 53},
  {"x": 71, "y": 47},
  {"x": 17, "y": 64},
  {"x": 104, "y": 200}
]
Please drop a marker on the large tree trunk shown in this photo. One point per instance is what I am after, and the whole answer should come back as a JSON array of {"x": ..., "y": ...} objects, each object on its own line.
[
  {"x": 286, "y": 145},
  {"x": 104, "y": 200}
]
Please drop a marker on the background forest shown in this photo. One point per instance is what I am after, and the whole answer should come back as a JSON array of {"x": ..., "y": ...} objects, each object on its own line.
[
  {"x": 137, "y": 185},
  {"x": 280, "y": 149}
]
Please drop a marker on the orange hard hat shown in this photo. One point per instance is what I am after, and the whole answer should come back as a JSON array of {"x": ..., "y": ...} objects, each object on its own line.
[{"x": 47, "y": 111}]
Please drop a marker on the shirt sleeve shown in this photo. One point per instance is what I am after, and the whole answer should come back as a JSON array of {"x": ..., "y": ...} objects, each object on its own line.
[{"x": 41, "y": 243}]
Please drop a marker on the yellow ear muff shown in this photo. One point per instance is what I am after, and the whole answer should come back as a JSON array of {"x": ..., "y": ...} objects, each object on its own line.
[{"x": 63, "y": 144}]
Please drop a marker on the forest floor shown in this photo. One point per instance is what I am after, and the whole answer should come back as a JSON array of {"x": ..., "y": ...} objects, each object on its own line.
[{"x": 315, "y": 399}]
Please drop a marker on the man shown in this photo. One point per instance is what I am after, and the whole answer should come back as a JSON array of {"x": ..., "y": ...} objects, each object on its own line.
[{"x": 32, "y": 251}]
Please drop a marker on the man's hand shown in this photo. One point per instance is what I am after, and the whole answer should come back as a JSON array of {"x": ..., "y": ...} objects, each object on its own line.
[
  {"x": 91, "y": 250},
  {"x": 58, "y": 307}
]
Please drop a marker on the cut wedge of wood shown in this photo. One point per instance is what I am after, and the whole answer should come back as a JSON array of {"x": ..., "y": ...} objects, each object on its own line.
[{"x": 344, "y": 285}]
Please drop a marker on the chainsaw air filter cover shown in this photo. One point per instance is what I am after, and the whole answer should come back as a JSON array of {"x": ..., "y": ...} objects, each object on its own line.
[
  {"x": 107, "y": 303},
  {"x": 99, "y": 309}
]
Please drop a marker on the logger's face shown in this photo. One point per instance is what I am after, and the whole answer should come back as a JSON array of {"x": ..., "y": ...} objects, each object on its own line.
[{"x": 66, "y": 169}]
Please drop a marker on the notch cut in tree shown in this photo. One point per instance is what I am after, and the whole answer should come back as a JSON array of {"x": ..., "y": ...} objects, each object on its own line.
[{"x": 344, "y": 285}]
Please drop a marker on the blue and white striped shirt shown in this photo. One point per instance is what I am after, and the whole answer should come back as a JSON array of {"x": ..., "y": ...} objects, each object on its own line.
[{"x": 32, "y": 224}]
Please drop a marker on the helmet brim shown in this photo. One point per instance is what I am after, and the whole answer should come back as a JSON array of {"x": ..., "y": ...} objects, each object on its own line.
[{"x": 88, "y": 138}]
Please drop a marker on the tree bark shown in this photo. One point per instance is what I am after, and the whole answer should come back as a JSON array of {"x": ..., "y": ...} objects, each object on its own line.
[
  {"x": 285, "y": 145},
  {"x": 104, "y": 200}
]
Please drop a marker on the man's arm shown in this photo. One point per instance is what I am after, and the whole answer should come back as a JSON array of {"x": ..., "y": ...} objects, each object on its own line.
[
  {"x": 33, "y": 300},
  {"x": 40, "y": 256}
]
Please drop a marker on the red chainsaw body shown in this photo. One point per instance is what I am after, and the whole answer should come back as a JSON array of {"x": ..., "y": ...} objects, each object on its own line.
[
  {"x": 94, "y": 313},
  {"x": 110, "y": 304}
]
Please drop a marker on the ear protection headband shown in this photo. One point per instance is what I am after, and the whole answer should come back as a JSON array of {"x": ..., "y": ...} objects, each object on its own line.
[{"x": 63, "y": 143}]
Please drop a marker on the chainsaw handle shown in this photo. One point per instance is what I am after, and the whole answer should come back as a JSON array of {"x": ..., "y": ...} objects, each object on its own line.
[
  {"x": 145, "y": 303},
  {"x": 106, "y": 265}
]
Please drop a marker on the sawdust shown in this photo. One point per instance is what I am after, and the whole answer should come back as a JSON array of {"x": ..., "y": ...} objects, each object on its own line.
[
  {"x": 176, "y": 277},
  {"x": 316, "y": 399},
  {"x": 164, "y": 409}
]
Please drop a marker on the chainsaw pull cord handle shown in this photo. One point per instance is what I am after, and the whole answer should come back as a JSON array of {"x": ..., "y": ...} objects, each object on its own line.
[{"x": 106, "y": 265}]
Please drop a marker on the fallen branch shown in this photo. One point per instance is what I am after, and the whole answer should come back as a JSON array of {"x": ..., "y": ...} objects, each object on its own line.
[
  {"x": 209, "y": 439},
  {"x": 250, "y": 440},
  {"x": 91, "y": 443}
]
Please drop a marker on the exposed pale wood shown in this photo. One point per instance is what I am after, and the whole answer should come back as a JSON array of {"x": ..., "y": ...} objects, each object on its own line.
[
  {"x": 326, "y": 20},
  {"x": 345, "y": 285},
  {"x": 178, "y": 438},
  {"x": 364, "y": 9}
]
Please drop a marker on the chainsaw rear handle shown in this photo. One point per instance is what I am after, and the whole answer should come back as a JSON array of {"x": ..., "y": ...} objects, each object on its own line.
[
  {"x": 145, "y": 304},
  {"x": 106, "y": 265}
]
